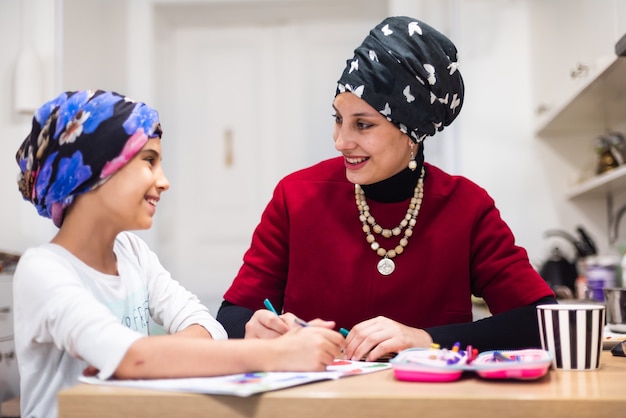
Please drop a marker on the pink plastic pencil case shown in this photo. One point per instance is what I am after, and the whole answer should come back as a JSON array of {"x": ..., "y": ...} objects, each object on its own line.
[{"x": 442, "y": 365}]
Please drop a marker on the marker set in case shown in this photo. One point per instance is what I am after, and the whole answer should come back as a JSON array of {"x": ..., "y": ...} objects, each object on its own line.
[{"x": 442, "y": 365}]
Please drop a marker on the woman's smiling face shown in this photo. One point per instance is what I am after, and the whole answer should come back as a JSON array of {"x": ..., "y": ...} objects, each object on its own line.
[{"x": 374, "y": 149}]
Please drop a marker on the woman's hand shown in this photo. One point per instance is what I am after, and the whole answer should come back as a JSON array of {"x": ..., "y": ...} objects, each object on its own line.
[
  {"x": 379, "y": 336},
  {"x": 266, "y": 324}
]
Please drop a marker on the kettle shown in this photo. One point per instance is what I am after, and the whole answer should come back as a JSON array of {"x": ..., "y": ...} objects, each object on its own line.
[{"x": 561, "y": 273}]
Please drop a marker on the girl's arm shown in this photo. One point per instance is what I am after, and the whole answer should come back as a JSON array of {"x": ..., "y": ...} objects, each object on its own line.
[
  {"x": 309, "y": 348},
  {"x": 194, "y": 331}
]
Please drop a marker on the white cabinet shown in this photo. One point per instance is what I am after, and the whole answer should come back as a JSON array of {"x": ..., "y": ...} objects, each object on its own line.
[
  {"x": 596, "y": 106},
  {"x": 579, "y": 94},
  {"x": 571, "y": 41}
]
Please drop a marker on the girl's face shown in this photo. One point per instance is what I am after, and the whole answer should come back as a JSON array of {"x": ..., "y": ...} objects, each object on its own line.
[
  {"x": 131, "y": 195},
  {"x": 373, "y": 148}
]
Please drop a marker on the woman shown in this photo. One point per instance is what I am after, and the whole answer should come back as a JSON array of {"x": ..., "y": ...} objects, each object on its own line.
[
  {"x": 96, "y": 298},
  {"x": 379, "y": 241}
]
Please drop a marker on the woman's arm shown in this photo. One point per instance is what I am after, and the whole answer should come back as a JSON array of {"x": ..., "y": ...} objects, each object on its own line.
[
  {"x": 514, "y": 329},
  {"x": 234, "y": 319}
]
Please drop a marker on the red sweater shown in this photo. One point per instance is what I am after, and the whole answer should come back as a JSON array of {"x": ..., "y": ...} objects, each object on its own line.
[{"x": 309, "y": 255}]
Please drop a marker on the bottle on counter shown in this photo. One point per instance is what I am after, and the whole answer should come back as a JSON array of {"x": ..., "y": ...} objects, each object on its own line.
[
  {"x": 581, "y": 288},
  {"x": 601, "y": 273},
  {"x": 581, "y": 291}
]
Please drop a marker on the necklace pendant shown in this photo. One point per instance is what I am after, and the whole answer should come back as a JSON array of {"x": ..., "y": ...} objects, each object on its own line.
[{"x": 386, "y": 266}]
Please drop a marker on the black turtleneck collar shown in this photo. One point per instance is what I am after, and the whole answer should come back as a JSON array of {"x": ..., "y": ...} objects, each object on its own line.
[{"x": 394, "y": 189}]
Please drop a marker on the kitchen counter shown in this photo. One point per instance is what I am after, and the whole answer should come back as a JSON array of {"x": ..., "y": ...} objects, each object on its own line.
[
  {"x": 598, "y": 393},
  {"x": 9, "y": 375}
]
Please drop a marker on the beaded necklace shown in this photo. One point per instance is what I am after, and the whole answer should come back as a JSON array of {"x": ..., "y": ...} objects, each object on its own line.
[{"x": 386, "y": 266}]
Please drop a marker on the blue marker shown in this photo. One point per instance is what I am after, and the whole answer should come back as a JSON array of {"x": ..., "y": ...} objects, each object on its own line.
[
  {"x": 344, "y": 332},
  {"x": 301, "y": 322},
  {"x": 269, "y": 306}
]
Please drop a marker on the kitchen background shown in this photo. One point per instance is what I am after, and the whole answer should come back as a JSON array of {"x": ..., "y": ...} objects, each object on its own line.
[{"x": 244, "y": 89}]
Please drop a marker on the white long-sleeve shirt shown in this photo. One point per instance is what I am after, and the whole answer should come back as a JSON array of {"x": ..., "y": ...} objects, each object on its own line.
[{"x": 69, "y": 316}]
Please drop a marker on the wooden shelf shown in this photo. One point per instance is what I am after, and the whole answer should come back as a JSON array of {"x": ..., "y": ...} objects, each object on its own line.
[
  {"x": 601, "y": 184},
  {"x": 595, "y": 106}
]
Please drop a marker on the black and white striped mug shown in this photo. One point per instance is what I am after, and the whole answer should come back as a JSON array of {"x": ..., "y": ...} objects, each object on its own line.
[{"x": 573, "y": 334}]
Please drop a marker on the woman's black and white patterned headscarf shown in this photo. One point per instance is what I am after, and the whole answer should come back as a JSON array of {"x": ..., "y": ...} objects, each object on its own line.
[
  {"x": 77, "y": 142},
  {"x": 407, "y": 71}
]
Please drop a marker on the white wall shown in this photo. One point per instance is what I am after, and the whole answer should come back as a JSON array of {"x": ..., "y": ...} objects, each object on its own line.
[
  {"x": 497, "y": 145},
  {"x": 20, "y": 226}
]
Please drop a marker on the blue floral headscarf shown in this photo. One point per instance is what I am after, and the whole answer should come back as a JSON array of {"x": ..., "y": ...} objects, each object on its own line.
[
  {"x": 408, "y": 71},
  {"x": 78, "y": 140}
]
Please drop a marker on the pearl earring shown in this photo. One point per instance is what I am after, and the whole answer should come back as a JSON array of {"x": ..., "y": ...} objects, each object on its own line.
[{"x": 412, "y": 162}]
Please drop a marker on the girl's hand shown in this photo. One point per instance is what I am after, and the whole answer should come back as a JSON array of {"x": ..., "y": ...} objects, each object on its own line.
[
  {"x": 379, "y": 336},
  {"x": 309, "y": 348}
]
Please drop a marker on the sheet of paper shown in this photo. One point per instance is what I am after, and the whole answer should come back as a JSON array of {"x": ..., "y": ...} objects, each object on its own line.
[{"x": 246, "y": 384}]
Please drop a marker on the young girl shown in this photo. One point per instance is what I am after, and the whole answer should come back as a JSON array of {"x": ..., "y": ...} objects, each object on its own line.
[{"x": 86, "y": 301}]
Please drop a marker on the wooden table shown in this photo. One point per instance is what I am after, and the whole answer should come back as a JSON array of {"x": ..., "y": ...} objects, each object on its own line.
[
  {"x": 10, "y": 408},
  {"x": 599, "y": 393}
]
